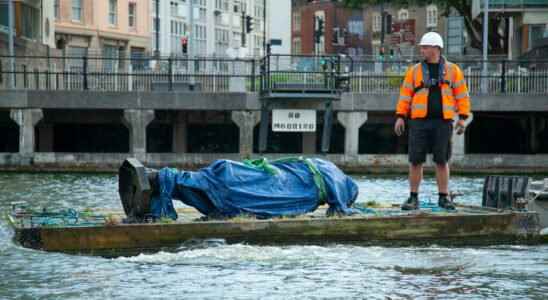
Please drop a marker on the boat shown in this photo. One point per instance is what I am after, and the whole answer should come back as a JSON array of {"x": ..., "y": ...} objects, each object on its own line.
[{"x": 514, "y": 211}]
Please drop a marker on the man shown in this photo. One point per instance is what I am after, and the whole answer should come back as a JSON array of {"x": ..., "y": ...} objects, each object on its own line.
[{"x": 432, "y": 91}]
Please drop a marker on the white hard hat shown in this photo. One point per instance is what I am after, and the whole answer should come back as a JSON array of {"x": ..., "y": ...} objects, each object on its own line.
[{"x": 431, "y": 39}]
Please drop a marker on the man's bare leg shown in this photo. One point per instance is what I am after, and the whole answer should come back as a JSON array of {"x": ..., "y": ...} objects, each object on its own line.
[
  {"x": 442, "y": 178},
  {"x": 415, "y": 177}
]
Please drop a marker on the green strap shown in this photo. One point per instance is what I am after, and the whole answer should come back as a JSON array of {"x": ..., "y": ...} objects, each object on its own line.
[{"x": 266, "y": 166}]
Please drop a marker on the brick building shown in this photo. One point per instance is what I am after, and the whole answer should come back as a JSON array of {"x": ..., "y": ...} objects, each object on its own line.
[
  {"x": 360, "y": 30},
  {"x": 343, "y": 28}
]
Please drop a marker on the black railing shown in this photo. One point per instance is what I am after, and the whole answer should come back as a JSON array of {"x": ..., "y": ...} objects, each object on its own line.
[
  {"x": 130, "y": 74},
  {"x": 304, "y": 74},
  {"x": 330, "y": 74}
]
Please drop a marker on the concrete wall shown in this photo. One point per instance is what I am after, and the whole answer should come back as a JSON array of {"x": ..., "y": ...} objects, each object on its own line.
[
  {"x": 137, "y": 110},
  {"x": 235, "y": 101}
]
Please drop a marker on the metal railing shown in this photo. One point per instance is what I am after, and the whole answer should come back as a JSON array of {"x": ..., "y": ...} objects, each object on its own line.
[
  {"x": 130, "y": 74},
  {"x": 253, "y": 75},
  {"x": 304, "y": 74},
  {"x": 503, "y": 77}
]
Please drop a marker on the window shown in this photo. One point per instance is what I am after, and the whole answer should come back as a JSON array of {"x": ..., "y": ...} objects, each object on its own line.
[
  {"x": 74, "y": 58},
  {"x": 221, "y": 5},
  {"x": 296, "y": 46},
  {"x": 199, "y": 45},
  {"x": 355, "y": 27},
  {"x": 202, "y": 15},
  {"x": 56, "y": 9},
  {"x": 110, "y": 52},
  {"x": 199, "y": 2},
  {"x": 77, "y": 10},
  {"x": 431, "y": 16},
  {"x": 222, "y": 38},
  {"x": 537, "y": 34},
  {"x": 112, "y": 11},
  {"x": 137, "y": 58},
  {"x": 174, "y": 7},
  {"x": 131, "y": 14},
  {"x": 297, "y": 21},
  {"x": 377, "y": 20},
  {"x": 30, "y": 21},
  {"x": 403, "y": 14}
]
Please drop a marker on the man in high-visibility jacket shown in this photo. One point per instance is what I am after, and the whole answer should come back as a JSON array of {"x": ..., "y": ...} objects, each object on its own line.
[{"x": 432, "y": 93}]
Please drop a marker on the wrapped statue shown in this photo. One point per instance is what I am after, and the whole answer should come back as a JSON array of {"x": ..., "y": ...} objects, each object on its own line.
[{"x": 224, "y": 189}]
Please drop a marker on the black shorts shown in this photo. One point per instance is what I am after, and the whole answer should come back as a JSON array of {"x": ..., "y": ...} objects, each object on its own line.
[{"x": 430, "y": 136}]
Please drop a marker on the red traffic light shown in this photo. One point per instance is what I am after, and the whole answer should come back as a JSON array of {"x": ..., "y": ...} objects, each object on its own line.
[{"x": 184, "y": 44}]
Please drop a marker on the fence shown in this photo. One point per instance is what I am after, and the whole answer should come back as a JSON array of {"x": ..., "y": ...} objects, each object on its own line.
[
  {"x": 135, "y": 74},
  {"x": 219, "y": 75}
]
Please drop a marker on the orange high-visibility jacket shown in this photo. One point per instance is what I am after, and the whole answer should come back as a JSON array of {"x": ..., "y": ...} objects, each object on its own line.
[{"x": 413, "y": 99}]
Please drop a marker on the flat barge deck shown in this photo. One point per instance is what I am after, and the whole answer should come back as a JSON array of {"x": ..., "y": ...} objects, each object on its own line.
[{"x": 105, "y": 234}]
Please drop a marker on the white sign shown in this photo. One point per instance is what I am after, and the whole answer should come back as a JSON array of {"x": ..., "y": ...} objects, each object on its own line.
[{"x": 293, "y": 120}]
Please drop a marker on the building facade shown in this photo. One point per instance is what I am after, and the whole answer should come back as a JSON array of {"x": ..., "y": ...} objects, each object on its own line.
[
  {"x": 111, "y": 28},
  {"x": 523, "y": 23},
  {"x": 343, "y": 28},
  {"x": 280, "y": 26},
  {"x": 360, "y": 32},
  {"x": 209, "y": 27},
  {"x": 33, "y": 21}
]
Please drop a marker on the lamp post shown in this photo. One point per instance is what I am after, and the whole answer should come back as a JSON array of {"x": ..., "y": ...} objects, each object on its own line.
[
  {"x": 157, "y": 23},
  {"x": 485, "y": 45},
  {"x": 11, "y": 37}
]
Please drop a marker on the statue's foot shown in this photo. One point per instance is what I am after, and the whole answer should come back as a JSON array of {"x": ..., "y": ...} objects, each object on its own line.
[{"x": 134, "y": 187}]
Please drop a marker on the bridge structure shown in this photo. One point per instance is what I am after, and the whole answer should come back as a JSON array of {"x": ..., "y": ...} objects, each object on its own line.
[{"x": 351, "y": 97}]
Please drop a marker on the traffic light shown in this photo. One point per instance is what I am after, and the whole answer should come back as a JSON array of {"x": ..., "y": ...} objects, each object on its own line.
[
  {"x": 248, "y": 23},
  {"x": 391, "y": 53},
  {"x": 381, "y": 53},
  {"x": 388, "y": 23},
  {"x": 319, "y": 29},
  {"x": 320, "y": 26},
  {"x": 335, "y": 36},
  {"x": 184, "y": 44}
]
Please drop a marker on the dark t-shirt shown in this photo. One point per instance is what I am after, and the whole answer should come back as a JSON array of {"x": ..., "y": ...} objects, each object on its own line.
[{"x": 435, "y": 110}]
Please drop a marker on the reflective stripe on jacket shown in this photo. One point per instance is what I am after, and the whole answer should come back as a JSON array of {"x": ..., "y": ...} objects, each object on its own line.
[{"x": 413, "y": 99}]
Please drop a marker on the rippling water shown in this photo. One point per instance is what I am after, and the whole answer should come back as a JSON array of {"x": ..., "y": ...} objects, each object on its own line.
[{"x": 214, "y": 270}]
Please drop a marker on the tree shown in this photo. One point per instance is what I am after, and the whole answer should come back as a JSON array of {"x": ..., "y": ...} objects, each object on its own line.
[{"x": 497, "y": 41}]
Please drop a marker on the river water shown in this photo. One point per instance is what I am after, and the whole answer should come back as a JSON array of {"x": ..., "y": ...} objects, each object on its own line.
[{"x": 218, "y": 271}]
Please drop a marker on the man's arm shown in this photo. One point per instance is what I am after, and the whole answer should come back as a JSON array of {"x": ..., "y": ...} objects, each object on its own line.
[
  {"x": 406, "y": 94},
  {"x": 404, "y": 101},
  {"x": 460, "y": 92}
]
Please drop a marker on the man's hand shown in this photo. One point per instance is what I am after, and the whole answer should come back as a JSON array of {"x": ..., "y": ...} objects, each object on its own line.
[
  {"x": 459, "y": 127},
  {"x": 399, "y": 127}
]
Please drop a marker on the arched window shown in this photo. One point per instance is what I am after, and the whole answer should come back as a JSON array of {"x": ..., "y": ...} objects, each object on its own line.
[
  {"x": 431, "y": 16},
  {"x": 403, "y": 14}
]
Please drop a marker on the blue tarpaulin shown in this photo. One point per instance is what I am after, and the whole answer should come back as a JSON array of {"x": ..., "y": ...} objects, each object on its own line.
[{"x": 285, "y": 187}]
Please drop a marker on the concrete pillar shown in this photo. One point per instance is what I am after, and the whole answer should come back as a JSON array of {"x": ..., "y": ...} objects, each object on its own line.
[
  {"x": 246, "y": 121},
  {"x": 309, "y": 142},
  {"x": 45, "y": 140},
  {"x": 26, "y": 119},
  {"x": 180, "y": 144},
  {"x": 137, "y": 121},
  {"x": 352, "y": 121}
]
